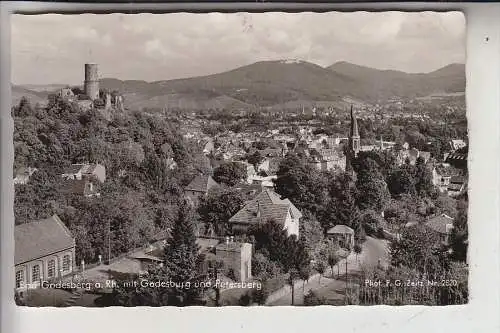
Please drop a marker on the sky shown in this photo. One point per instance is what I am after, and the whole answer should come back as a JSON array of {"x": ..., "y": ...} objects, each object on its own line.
[{"x": 52, "y": 48}]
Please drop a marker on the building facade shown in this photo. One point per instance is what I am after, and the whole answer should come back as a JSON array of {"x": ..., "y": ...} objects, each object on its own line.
[{"x": 44, "y": 251}]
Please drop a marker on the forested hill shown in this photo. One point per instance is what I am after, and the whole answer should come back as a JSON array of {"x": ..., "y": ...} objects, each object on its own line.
[{"x": 141, "y": 193}]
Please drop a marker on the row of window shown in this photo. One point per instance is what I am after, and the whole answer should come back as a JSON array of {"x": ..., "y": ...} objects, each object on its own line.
[{"x": 51, "y": 270}]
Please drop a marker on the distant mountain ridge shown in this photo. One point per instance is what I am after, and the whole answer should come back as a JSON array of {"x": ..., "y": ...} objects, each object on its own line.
[{"x": 281, "y": 83}]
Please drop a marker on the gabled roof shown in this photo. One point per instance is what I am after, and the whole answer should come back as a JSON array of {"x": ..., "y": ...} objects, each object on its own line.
[
  {"x": 79, "y": 186},
  {"x": 266, "y": 206},
  {"x": 41, "y": 238},
  {"x": 340, "y": 229},
  {"x": 201, "y": 183},
  {"x": 439, "y": 223},
  {"x": 84, "y": 168},
  {"x": 72, "y": 169}
]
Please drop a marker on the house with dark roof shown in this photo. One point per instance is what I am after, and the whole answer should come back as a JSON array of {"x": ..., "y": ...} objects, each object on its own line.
[
  {"x": 85, "y": 171},
  {"x": 44, "y": 250},
  {"x": 81, "y": 187},
  {"x": 267, "y": 206},
  {"x": 442, "y": 225},
  {"x": 199, "y": 187},
  {"x": 457, "y": 159},
  {"x": 343, "y": 234},
  {"x": 457, "y": 185}
]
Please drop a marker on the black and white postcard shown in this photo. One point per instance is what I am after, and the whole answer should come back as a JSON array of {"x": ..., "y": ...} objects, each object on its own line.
[{"x": 248, "y": 159}]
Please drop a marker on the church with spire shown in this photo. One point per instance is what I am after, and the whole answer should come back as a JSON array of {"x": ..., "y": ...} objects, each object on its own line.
[{"x": 354, "y": 143}]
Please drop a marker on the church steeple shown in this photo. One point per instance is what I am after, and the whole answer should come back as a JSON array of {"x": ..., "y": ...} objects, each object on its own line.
[
  {"x": 354, "y": 138},
  {"x": 354, "y": 144}
]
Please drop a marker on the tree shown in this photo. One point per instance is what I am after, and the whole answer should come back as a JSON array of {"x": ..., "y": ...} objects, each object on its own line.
[
  {"x": 255, "y": 159},
  {"x": 401, "y": 181},
  {"x": 333, "y": 259},
  {"x": 341, "y": 207},
  {"x": 181, "y": 257},
  {"x": 218, "y": 207},
  {"x": 419, "y": 249},
  {"x": 273, "y": 239},
  {"x": 263, "y": 268},
  {"x": 311, "y": 231},
  {"x": 372, "y": 189},
  {"x": 312, "y": 299},
  {"x": 230, "y": 173},
  {"x": 304, "y": 274},
  {"x": 460, "y": 234},
  {"x": 357, "y": 249},
  {"x": 301, "y": 184},
  {"x": 423, "y": 179},
  {"x": 296, "y": 262},
  {"x": 320, "y": 268}
]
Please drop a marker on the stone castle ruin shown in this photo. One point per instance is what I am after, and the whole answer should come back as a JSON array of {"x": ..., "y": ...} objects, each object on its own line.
[{"x": 91, "y": 95}]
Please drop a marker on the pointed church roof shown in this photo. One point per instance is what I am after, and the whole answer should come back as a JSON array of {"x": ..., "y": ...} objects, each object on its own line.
[{"x": 354, "y": 125}]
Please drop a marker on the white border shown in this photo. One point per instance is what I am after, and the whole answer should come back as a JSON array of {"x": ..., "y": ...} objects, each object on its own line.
[{"x": 480, "y": 315}]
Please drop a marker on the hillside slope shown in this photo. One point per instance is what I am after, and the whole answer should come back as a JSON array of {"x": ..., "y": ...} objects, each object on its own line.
[{"x": 280, "y": 83}]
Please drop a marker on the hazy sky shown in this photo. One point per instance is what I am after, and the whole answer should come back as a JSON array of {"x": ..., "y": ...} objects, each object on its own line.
[{"x": 53, "y": 48}]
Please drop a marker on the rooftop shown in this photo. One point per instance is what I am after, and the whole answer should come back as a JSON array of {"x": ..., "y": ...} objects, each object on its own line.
[
  {"x": 266, "y": 206},
  {"x": 440, "y": 223},
  {"x": 340, "y": 229},
  {"x": 41, "y": 238},
  {"x": 201, "y": 183}
]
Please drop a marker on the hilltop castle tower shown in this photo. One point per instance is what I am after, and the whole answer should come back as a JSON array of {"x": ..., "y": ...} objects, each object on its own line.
[
  {"x": 91, "y": 84},
  {"x": 354, "y": 143}
]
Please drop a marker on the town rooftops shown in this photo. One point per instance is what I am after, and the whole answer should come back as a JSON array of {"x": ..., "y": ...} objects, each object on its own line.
[
  {"x": 441, "y": 223},
  {"x": 265, "y": 207},
  {"x": 41, "y": 238},
  {"x": 201, "y": 183},
  {"x": 340, "y": 229}
]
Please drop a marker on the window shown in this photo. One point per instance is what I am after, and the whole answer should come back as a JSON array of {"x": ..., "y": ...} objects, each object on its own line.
[
  {"x": 35, "y": 273},
  {"x": 19, "y": 279},
  {"x": 51, "y": 271},
  {"x": 66, "y": 264}
]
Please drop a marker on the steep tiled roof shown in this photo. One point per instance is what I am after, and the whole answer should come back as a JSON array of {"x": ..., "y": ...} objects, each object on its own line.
[
  {"x": 201, "y": 183},
  {"x": 439, "y": 223},
  {"x": 41, "y": 238},
  {"x": 73, "y": 168},
  {"x": 79, "y": 187},
  {"x": 340, "y": 229},
  {"x": 266, "y": 206}
]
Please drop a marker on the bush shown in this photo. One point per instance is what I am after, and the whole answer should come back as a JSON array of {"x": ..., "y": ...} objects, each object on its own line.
[
  {"x": 263, "y": 268},
  {"x": 230, "y": 274},
  {"x": 313, "y": 299}
]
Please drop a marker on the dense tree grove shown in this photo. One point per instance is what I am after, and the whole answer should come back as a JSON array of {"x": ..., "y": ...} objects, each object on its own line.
[{"x": 141, "y": 194}]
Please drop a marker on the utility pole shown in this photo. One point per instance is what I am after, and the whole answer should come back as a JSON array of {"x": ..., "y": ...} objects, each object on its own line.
[
  {"x": 109, "y": 242},
  {"x": 346, "y": 278},
  {"x": 217, "y": 291}
]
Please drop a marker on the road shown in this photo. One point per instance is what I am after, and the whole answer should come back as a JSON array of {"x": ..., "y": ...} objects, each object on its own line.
[{"x": 329, "y": 285}]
